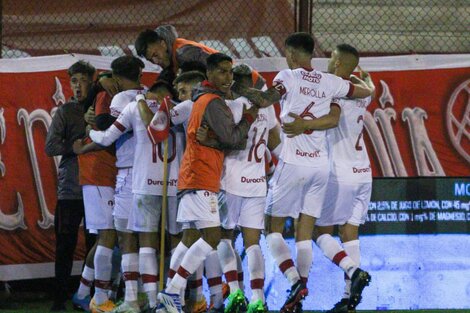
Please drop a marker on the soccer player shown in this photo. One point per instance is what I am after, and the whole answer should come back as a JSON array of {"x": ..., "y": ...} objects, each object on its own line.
[
  {"x": 298, "y": 186},
  {"x": 243, "y": 189},
  {"x": 147, "y": 188},
  {"x": 67, "y": 126},
  {"x": 126, "y": 70},
  {"x": 165, "y": 48},
  {"x": 350, "y": 183},
  {"x": 201, "y": 170}
]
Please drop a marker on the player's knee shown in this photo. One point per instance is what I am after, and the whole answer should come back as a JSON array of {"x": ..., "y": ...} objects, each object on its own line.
[{"x": 212, "y": 236}]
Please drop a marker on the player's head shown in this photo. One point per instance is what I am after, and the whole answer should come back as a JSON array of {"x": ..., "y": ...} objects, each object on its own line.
[
  {"x": 81, "y": 78},
  {"x": 299, "y": 48},
  {"x": 127, "y": 70},
  {"x": 219, "y": 71},
  {"x": 160, "y": 90},
  {"x": 190, "y": 66},
  {"x": 185, "y": 83},
  {"x": 242, "y": 75},
  {"x": 344, "y": 60},
  {"x": 150, "y": 45}
]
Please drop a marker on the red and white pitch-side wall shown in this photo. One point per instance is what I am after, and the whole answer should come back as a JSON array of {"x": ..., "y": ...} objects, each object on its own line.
[{"x": 418, "y": 125}]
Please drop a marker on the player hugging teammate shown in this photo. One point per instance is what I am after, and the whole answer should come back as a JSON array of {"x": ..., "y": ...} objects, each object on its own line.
[{"x": 223, "y": 133}]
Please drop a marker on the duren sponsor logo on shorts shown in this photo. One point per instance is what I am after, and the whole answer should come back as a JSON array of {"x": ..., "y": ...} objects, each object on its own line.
[
  {"x": 314, "y": 154},
  {"x": 361, "y": 170},
  {"x": 247, "y": 180},
  {"x": 171, "y": 182}
]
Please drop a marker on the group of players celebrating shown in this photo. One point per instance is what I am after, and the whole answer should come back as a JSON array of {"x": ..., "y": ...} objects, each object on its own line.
[{"x": 221, "y": 177}]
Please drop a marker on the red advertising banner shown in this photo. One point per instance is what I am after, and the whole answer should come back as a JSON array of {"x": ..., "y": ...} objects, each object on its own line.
[{"x": 418, "y": 125}]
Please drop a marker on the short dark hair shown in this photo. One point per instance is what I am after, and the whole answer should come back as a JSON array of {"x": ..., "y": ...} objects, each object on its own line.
[
  {"x": 190, "y": 66},
  {"x": 128, "y": 67},
  {"x": 345, "y": 48},
  {"x": 190, "y": 77},
  {"x": 82, "y": 67},
  {"x": 145, "y": 38},
  {"x": 162, "y": 84},
  {"x": 214, "y": 59},
  {"x": 301, "y": 41}
]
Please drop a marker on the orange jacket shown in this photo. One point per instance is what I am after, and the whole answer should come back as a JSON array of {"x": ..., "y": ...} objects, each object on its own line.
[
  {"x": 180, "y": 42},
  {"x": 201, "y": 167}
]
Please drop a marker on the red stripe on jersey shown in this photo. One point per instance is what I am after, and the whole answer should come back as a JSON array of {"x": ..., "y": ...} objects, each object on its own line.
[
  {"x": 339, "y": 256},
  {"x": 183, "y": 272},
  {"x": 130, "y": 276},
  {"x": 147, "y": 278},
  {"x": 287, "y": 264},
  {"x": 257, "y": 283},
  {"x": 351, "y": 90},
  {"x": 119, "y": 126},
  {"x": 214, "y": 281}
]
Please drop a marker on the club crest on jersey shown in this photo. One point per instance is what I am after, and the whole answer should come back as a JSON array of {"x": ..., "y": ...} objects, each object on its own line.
[{"x": 311, "y": 77}]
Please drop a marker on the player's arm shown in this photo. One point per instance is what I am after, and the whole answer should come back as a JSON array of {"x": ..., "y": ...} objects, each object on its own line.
[
  {"x": 262, "y": 99},
  {"x": 55, "y": 141},
  {"x": 104, "y": 121},
  {"x": 274, "y": 140},
  {"x": 219, "y": 119},
  {"x": 365, "y": 81},
  {"x": 79, "y": 147},
  {"x": 300, "y": 125},
  {"x": 144, "y": 111}
]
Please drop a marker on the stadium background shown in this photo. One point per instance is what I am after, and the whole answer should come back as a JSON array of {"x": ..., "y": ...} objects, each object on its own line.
[{"x": 405, "y": 248}]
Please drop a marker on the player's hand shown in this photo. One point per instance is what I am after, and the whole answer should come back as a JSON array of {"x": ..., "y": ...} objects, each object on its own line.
[
  {"x": 202, "y": 134},
  {"x": 253, "y": 111},
  {"x": 90, "y": 117},
  {"x": 109, "y": 85},
  {"x": 87, "y": 130},
  {"x": 78, "y": 146},
  {"x": 295, "y": 127},
  {"x": 363, "y": 74}
]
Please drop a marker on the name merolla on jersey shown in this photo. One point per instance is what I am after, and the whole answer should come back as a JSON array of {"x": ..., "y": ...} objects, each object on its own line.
[
  {"x": 314, "y": 154},
  {"x": 361, "y": 170},
  {"x": 311, "y": 77},
  {"x": 171, "y": 182},
  {"x": 306, "y": 91},
  {"x": 258, "y": 180}
]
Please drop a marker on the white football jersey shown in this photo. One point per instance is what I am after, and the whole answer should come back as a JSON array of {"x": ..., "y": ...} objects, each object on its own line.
[
  {"x": 348, "y": 155},
  {"x": 308, "y": 93},
  {"x": 125, "y": 145},
  {"x": 244, "y": 172},
  {"x": 147, "y": 176},
  {"x": 181, "y": 112}
]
